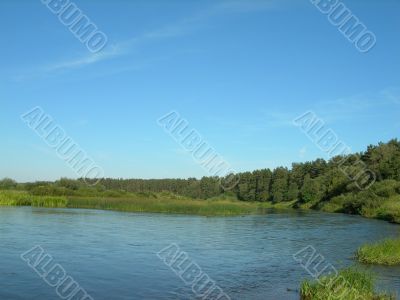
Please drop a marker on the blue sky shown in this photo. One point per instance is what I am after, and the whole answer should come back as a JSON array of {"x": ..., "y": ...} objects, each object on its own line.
[{"x": 238, "y": 71}]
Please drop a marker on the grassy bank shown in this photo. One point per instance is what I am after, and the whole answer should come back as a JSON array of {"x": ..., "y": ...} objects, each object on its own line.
[
  {"x": 389, "y": 210},
  {"x": 153, "y": 202},
  {"x": 383, "y": 208},
  {"x": 350, "y": 284},
  {"x": 21, "y": 198},
  {"x": 386, "y": 252},
  {"x": 163, "y": 205}
]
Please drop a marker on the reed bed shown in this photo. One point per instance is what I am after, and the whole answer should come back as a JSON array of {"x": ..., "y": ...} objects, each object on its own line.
[
  {"x": 161, "y": 203},
  {"x": 21, "y": 198},
  {"x": 386, "y": 252},
  {"x": 350, "y": 284}
]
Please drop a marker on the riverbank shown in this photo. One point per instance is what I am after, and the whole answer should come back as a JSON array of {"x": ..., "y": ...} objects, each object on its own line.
[
  {"x": 386, "y": 252},
  {"x": 166, "y": 202},
  {"x": 385, "y": 208},
  {"x": 156, "y": 203},
  {"x": 349, "y": 284}
]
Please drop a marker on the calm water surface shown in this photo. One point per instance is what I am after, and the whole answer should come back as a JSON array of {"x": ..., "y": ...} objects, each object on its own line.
[{"x": 113, "y": 255}]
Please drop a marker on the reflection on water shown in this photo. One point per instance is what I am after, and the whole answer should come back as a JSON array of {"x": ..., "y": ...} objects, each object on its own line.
[{"x": 113, "y": 255}]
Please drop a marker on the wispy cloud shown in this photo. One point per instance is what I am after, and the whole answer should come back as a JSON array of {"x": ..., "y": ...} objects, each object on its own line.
[
  {"x": 363, "y": 104},
  {"x": 180, "y": 28},
  {"x": 392, "y": 94},
  {"x": 279, "y": 118},
  {"x": 110, "y": 52}
]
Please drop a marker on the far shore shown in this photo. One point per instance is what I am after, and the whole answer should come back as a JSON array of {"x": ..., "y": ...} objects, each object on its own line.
[{"x": 164, "y": 202}]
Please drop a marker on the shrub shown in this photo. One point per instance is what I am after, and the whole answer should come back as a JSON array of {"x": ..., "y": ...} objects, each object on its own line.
[
  {"x": 387, "y": 188},
  {"x": 7, "y": 184}
]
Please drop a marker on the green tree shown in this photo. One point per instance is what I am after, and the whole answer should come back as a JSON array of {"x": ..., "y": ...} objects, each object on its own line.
[
  {"x": 7, "y": 184},
  {"x": 312, "y": 190},
  {"x": 279, "y": 187}
]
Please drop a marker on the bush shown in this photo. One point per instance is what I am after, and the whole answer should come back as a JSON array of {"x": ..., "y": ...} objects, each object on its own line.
[
  {"x": 7, "y": 184},
  {"x": 361, "y": 203},
  {"x": 390, "y": 210},
  {"x": 48, "y": 190},
  {"x": 386, "y": 188},
  {"x": 335, "y": 204}
]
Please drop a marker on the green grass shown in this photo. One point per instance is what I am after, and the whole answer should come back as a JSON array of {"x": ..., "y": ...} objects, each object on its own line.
[
  {"x": 21, "y": 198},
  {"x": 166, "y": 202},
  {"x": 166, "y": 205},
  {"x": 140, "y": 202},
  {"x": 386, "y": 252},
  {"x": 349, "y": 284},
  {"x": 334, "y": 205},
  {"x": 390, "y": 210}
]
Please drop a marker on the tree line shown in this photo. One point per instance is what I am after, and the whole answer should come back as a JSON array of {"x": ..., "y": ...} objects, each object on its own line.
[{"x": 307, "y": 182}]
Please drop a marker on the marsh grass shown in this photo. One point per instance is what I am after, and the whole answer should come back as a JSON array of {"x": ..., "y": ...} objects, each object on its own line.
[
  {"x": 21, "y": 198},
  {"x": 16, "y": 198},
  {"x": 386, "y": 252},
  {"x": 141, "y": 202},
  {"x": 49, "y": 201},
  {"x": 165, "y": 205},
  {"x": 349, "y": 284}
]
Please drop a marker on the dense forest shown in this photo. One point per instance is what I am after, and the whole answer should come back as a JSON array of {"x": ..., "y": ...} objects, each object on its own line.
[{"x": 330, "y": 185}]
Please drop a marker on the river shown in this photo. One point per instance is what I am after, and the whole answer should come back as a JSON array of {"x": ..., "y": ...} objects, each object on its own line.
[{"x": 113, "y": 255}]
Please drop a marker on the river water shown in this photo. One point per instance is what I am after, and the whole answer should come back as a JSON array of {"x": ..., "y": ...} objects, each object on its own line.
[{"x": 113, "y": 255}]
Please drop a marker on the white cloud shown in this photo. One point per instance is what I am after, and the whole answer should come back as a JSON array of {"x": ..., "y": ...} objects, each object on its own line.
[
  {"x": 110, "y": 52},
  {"x": 179, "y": 28}
]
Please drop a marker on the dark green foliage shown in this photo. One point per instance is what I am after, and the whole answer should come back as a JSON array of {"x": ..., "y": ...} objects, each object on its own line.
[
  {"x": 279, "y": 185},
  {"x": 209, "y": 187},
  {"x": 312, "y": 190},
  {"x": 384, "y": 160},
  {"x": 386, "y": 188},
  {"x": 293, "y": 192},
  {"x": 7, "y": 184},
  {"x": 359, "y": 203}
]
